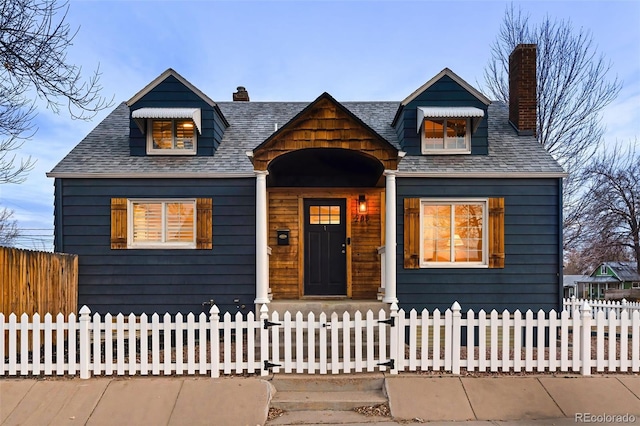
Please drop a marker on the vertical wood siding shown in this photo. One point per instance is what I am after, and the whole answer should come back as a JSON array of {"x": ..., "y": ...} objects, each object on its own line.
[
  {"x": 39, "y": 282},
  {"x": 145, "y": 280},
  {"x": 529, "y": 279}
]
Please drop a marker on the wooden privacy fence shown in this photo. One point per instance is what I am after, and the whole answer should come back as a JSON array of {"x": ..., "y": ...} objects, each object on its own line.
[
  {"x": 321, "y": 344},
  {"x": 34, "y": 281}
]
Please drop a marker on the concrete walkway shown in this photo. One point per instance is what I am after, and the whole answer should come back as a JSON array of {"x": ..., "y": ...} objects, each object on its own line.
[{"x": 526, "y": 400}]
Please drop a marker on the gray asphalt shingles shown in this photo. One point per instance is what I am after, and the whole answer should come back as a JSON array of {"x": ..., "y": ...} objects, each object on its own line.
[{"x": 105, "y": 151}]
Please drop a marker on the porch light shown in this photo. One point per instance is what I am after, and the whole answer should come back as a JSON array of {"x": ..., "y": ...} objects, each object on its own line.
[{"x": 362, "y": 204}]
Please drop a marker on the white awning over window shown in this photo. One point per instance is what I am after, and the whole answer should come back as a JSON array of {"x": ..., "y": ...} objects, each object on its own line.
[
  {"x": 475, "y": 114},
  {"x": 141, "y": 115}
]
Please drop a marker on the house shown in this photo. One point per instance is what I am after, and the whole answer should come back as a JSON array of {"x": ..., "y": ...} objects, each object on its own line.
[
  {"x": 609, "y": 276},
  {"x": 176, "y": 201},
  {"x": 570, "y": 284}
]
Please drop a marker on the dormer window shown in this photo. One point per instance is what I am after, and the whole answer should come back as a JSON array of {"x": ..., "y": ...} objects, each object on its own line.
[
  {"x": 447, "y": 130},
  {"x": 170, "y": 131},
  {"x": 171, "y": 135}
]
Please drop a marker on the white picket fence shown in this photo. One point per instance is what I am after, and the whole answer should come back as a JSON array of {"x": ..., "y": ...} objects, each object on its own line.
[
  {"x": 320, "y": 344},
  {"x": 571, "y": 304}
]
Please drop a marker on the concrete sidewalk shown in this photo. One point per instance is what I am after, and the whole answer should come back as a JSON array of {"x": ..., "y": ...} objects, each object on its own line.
[{"x": 525, "y": 400}]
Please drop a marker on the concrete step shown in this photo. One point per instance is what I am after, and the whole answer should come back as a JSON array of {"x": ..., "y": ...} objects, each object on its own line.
[
  {"x": 327, "y": 306},
  {"x": 343, "y": 383},
  {"x": 299, "y": 392},
  {"x": 326, "y": 400},
  {"x": 324, "y": 417}
]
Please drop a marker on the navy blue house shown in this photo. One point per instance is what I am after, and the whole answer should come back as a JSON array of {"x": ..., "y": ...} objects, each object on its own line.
[{"x": 175, "y": 201}]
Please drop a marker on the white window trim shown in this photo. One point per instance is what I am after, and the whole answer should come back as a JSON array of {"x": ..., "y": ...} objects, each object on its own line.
[
  {"x": 485, "y": 233},
  {"x": 445, "y": 151},
  {"x": 152, "y": 151},
  {"x": 160, "y": 245}
]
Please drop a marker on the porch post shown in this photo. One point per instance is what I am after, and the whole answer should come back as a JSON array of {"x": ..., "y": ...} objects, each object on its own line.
[
  {"x": 390, "y": 238},
  {"x": 262, "y": 256}
]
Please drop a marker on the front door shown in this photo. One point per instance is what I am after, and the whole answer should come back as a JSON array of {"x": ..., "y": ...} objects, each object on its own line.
[{"x": 325, "y": 258}]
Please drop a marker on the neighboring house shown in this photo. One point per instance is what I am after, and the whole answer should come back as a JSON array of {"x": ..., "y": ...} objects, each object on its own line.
[
  {"x": 609, "y": 276},
  {"x": 570, "y": 284},
  {"x": 175, "y": 200}
]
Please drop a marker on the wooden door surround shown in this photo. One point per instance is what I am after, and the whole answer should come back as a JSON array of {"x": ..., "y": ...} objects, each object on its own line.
[{"x": 366, "y": 234}]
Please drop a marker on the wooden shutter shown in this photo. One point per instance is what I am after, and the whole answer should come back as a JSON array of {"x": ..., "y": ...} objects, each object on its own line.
[
  {"x": 496, "y": 232},
  {"x": 411, "y": 233},
  {"x": 118, "y": 223},
  {"x": 204, "y": 225}
]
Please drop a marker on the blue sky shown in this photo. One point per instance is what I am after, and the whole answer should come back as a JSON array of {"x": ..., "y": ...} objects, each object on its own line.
[{"x": 296, "y": 50}]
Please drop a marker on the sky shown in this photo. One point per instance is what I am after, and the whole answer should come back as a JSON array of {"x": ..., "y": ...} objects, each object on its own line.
[{"x": 294, "y": 51}]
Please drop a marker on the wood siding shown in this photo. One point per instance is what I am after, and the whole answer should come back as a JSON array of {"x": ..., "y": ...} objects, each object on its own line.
[
  {"x": 325, "y": 125},
  {"x": 443, "y": 93},
  {"x": 286, "y": 262},
  {"x": 38, "y": 282},
  {"x": 532, "y": 241},
  {"x": 167, "y": 280}
]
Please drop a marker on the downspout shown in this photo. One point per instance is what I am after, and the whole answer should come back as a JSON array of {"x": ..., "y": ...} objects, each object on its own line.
[
  {"x": 58, "y": 243},
  {"x": 560, "y": 247}
]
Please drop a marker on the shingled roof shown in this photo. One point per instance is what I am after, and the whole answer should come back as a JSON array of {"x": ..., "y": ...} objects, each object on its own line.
[{"x": 105, "y": 151}]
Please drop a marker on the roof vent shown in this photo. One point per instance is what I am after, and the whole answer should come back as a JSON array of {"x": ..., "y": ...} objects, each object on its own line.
[{"x": 241, "y": 95}]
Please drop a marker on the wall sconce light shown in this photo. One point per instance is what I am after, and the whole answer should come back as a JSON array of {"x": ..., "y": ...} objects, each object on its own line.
[{"x": 362, "y": 204}]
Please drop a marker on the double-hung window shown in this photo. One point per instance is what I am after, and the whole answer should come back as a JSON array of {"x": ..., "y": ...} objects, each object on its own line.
[
  {"x": 162, "y": 223},
  {"x": 453, "y": 233},
  {"x": 459, "y": 233}
]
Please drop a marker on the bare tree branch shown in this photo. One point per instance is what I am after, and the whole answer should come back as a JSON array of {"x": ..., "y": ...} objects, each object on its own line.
[
  {"x": 614, "y": 194},
  {"x": 8, "y": 227},
  {"x": 34, "y": 39},
  {"x": 572, "y": 88}
]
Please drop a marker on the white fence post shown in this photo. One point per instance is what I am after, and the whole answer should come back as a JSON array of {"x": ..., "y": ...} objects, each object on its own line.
[
  {"x": 586, "y": 339},
  {"x": 264, "y": 339},
  {"x": 85, "y": 342},
  {"x": 455, "y": 336},
  {"x": 396, "y": 341},
  {"x": 214, "y": 320}
]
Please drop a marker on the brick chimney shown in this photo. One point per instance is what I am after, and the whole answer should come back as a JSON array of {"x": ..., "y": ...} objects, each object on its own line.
[
  {"x": 522, "y": 89},
  {"x": 241, "y": 95}
]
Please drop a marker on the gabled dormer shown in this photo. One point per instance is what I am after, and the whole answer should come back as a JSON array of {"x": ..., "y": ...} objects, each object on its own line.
[
  {"x": 172, "y": 117},
  {"x": 445, "y": 115}
]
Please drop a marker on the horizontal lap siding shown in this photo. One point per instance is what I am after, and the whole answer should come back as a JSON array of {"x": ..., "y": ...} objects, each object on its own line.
[
  {"x": 160, "y": 280},
  {"x": 529, "y": 279}
]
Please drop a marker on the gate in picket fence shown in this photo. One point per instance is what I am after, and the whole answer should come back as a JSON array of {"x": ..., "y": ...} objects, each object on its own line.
[{"x": 579, "y": 342}]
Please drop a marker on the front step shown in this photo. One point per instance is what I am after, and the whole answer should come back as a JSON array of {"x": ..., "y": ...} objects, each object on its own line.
[{"x": 305, "y": 393}]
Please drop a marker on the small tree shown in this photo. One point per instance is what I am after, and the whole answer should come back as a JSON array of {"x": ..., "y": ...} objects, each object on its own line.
[
  {"x": 614, "y": 208},
  {"x": 572, "y": 89},
  {"x": 34, "y": 38}
]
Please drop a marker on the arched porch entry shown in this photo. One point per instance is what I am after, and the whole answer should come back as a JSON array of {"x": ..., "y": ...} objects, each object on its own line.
[
  {"x": 322, "y": 181},
  {"x": 331, "y": 203}
]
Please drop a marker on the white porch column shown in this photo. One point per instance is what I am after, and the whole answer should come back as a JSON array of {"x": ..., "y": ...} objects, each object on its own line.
[
  {"x": 262, "y": 256},
  {"x": 390, "y": 238}
]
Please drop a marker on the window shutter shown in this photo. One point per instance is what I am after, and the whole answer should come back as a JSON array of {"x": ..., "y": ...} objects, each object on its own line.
[
  {"x": 412, "y": 233},
  {"x": 118, "y": 223},
  {"x": 204, "y": 226},
  {"x": 496, "y": 232}
]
